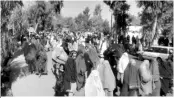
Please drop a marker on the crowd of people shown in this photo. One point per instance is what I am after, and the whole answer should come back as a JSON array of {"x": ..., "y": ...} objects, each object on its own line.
[
  {"x": 117, "y": 70},
  {"x": 94, "y": 66}
]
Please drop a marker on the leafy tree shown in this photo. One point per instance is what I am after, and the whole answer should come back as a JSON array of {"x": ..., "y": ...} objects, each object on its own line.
[
  {"x": 119, "y": 9},
  {"x": 17, "y": 21},
  {"x": 133, "y": 20},
  {"x": 106, "y": 28},
  {"x": 79, "y": 21},
  {"x": 6, "y": 8},
  {"x": 86, "y": 21},
  {"x": 155, "y": 17},
  {"x": 42, "y": 13},
  {"x": 70, "y": 23},
  {"x": 97, "y": 10},
  {"x": 57, "y": 6},
  {"x": 97, "y": 20},
  {"x": 7, "y": 45},
  {"x": 83, "y": 21},
  {"x": 58, "y": 23}
]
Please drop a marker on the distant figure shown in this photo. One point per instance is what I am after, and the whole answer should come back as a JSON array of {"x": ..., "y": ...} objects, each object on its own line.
[
  {"x": 128, "y": 39},
  {"x": 160, "y": 41},
  {"x": 133, "y": 40},
  {"x": 30, "y": 55},
  {"x": 171, "y": 44},
  {"x": 166, "y": 41},
  {"x": 121, "y": 38}
]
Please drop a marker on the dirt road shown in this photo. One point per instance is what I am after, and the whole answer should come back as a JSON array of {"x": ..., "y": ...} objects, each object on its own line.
[{"x": 34, "y": 86}]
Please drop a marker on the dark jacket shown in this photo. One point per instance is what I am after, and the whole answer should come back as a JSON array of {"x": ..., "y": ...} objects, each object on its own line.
[
  {"x": 29, "y": 51},
  {"x": 88, "y": 63},
  {"x": 70, "y": 73},
  {"x": 131, "y": 81},
  {"x": 81, "y": 69},
  {"x": 166, "y": 73}
]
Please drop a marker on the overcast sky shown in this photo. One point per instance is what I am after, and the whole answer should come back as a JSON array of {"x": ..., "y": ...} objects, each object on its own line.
[{"x": 73, "y": 7}]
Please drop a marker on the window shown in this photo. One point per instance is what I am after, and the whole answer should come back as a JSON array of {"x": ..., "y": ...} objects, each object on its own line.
[
  {"x": 155, "y": 49},
  {"x": 164, "y": 50}
]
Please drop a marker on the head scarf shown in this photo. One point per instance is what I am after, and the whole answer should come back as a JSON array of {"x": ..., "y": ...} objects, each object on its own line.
[{"x": 93, "y": 55}]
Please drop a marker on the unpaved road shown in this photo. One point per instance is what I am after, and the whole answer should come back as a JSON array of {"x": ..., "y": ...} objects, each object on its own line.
[{"x": 33, "y": 85}]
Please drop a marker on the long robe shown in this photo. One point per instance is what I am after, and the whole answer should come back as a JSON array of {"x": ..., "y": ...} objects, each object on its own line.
[
  {"x": 81, "y": 70},
  {"x": 93, "y": 86},
  {"x": 106, "y": 75},
  {"x": 166, "y": 74},
  {"x": 70, "y": 73},
  {"x": 131, "y": 81}
]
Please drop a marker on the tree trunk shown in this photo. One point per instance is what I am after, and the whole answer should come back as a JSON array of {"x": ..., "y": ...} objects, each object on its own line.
[
  {"x": 36, "y": 27},
  {"x": 154, "y": 30},
  {"x": 116, "y": 29}
]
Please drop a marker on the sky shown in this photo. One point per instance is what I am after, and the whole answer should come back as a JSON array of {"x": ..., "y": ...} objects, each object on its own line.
[{"x": 72, "y": 8}]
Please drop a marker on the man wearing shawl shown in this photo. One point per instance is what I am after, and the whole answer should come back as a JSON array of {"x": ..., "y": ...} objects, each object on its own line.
[
  {"x": 166, "y": 75},
  {"x": 30, "y": 55},
  {"x": 70, "y": 76},
  {"x": 131, "y": 82},
  {"x": 41, "y": 57},
  {"x": 81, "y": 71}
]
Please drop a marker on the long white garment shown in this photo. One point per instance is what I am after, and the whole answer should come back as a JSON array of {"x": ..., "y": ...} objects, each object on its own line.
[
  {"x": 19, "y": 61},
  {"x": 106, "y": 75},
  {"x": 123, "y": 62},
  {"x": 93, "y": 86}
]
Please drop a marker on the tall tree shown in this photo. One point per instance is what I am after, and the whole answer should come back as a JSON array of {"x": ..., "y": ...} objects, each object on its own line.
[
  {"x": 106, "y": 28},
  {"x": 17, "y": 21},
  {"x": 86, "y": 21},
  {"x": 97, "y": 10},
  {"x": 42, "y": 13},
  {"x": 57, "y": 6},
  {"x": 83, "y": 20},
  {"x": 70, "y": 23},
  {"x": 97, "y": 20},
  {"x": 7, "y": 48},
  {"x": 119, "y": 9},
  {"x": 79, "y": 21},
  {"x": 6, "y": 8},
  {"x": 154, "y": 17}
]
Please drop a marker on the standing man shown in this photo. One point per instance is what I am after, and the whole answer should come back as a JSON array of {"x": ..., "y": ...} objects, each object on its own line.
[
  {"x": 133, "y": 40},
  {"x": 41, "y": 57},
  {"x": 30, "y": 54},
  {"x": 166, "y": 41}
]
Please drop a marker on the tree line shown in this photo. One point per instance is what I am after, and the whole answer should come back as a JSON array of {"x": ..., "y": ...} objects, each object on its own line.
[{"x": 156, "y": 18}]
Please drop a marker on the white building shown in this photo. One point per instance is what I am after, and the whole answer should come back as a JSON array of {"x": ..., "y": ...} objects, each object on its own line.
[{"x": 134, "y": 31}]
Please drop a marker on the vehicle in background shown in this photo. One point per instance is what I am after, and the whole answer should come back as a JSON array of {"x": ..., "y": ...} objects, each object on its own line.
[{"x": 159, "y": 52}]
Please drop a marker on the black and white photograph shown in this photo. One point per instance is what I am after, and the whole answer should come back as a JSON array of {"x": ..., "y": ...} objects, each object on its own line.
[{"x": 86, "y": 48}]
